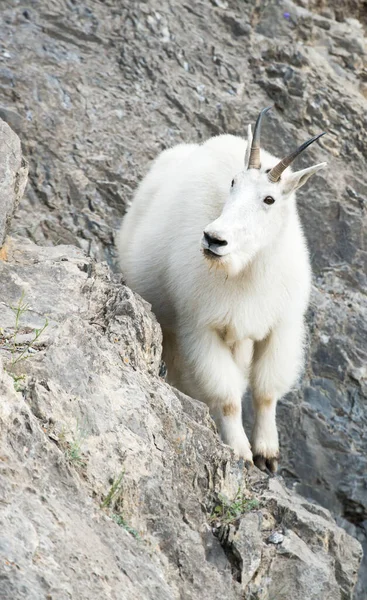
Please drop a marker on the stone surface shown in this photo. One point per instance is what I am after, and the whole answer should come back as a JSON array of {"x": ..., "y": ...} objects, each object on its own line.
[
  {"x": 96, "y": 90},
  {"x": 13, "y": 177},
  {"x": 109, "y": 477}
]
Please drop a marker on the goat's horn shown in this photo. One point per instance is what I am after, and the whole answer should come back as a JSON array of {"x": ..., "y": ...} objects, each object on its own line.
[
  {"x": 254, "y": 160},
  {"x": 275, "y": 173}
]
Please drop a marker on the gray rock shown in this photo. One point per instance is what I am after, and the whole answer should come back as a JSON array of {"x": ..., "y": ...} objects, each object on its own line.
[
  {"x": 13, "y": 176},
  {"x": 275, "y": 538},
  {"x": 109, "y": 477}
]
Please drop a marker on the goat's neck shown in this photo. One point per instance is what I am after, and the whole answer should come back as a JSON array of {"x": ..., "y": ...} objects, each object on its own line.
[{"x": 269, "y": 258}]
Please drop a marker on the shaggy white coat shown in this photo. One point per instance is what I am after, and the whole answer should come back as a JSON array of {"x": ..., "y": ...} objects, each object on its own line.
[{"x": 235, "y": 317}]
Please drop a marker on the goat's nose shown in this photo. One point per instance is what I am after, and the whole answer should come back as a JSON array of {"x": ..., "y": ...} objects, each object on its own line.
[{"x": 214, "y": 241}]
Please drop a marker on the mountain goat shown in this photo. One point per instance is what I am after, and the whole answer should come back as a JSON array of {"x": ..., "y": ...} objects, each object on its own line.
[{"x": 213, "y": 241}]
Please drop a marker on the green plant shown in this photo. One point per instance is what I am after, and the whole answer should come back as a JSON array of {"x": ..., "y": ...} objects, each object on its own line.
[
  {"x": 114, "y": 490},
  {"x": 114, "y": 501},
  {"x": 74, "y": 454},
  {"x": 226, "y": 512},
  {"x": 73, "y": 449},
  {"x": 19, "y": 310},
  {"x": 18, "y": 381},
  {"x": 119, "y": 519}
]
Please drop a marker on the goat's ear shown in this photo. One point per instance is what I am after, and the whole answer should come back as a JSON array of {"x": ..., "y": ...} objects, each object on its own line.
[
  {"x": 296, "y": 180},
  {"x": 249, "y": 144}
]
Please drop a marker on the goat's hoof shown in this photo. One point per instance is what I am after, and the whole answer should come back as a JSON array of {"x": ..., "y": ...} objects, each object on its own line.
[
  {"x": 266, "y": 464},
  {"x": 245, "y": 464},
  {"x": 240, "y": 445}
]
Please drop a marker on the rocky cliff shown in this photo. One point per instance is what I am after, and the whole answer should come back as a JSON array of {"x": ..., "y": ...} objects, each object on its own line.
[
  {"x": 114, "y": 485},
  {"x": 95, "y": 90}
]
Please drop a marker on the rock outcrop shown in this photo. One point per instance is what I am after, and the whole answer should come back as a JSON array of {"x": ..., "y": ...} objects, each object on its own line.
[
  {"x": 113, "y": 484},
  {"x": 96, "y": 89},
  {"x": 13, "y": 177}
]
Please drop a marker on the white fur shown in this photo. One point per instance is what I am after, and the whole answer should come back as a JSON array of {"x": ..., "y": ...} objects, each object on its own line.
[{"x": 233, "y": 319}]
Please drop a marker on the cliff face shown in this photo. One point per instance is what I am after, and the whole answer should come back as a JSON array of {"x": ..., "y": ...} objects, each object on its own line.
[
  {"x": 114, "y": 485},
  {"x": 95, "y": 91},
  {"x": 13, "y": 177}
]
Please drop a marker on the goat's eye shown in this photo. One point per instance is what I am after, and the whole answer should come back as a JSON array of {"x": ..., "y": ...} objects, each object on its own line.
[
  {"x": 269, "y": 200},
  {"x": 232, "y": 183}
]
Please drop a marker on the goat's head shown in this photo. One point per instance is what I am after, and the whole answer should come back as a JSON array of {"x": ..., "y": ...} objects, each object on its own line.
[{"x": 259, "y": 200}]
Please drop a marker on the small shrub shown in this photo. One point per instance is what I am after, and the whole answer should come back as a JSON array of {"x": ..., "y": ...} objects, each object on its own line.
[
  {"x": 115, "y": 488},
  {"x": 74, "y": 454},
  {"x": 114, "y": 501},
  {"x": 122, "y": 523},
  {"x": 73, "y": 449},
  {"x": 226, "y": 512},
  {"x": 20, "y": 354}
]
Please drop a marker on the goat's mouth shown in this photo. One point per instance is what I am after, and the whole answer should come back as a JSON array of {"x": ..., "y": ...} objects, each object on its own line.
[{"x": 211, "y": 254}]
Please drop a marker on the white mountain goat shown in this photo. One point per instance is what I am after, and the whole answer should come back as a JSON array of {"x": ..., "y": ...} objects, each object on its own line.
[{"x": 213, "y": 241}]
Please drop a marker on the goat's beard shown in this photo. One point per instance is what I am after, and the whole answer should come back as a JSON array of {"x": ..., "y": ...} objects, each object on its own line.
[{"x": 230, "y": 264}]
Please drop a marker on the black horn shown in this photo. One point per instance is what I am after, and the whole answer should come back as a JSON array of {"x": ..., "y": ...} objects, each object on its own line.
[
  {"x": 275, "y": 173},
  {"x": 254, "y": 160}
]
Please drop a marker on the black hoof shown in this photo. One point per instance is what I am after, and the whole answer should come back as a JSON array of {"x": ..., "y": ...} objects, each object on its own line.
[
  {"x": 266, "y": 464},
  {"x": 245, "y": 464}
]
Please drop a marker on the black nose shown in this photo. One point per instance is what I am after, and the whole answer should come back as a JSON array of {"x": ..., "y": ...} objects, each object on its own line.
[{"x": 213, "y": 241}]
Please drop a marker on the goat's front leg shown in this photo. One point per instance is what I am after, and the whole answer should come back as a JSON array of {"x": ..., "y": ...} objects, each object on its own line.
[
  {"x": 210, "y": 374},
  {"x": 277, "y": 361}
]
